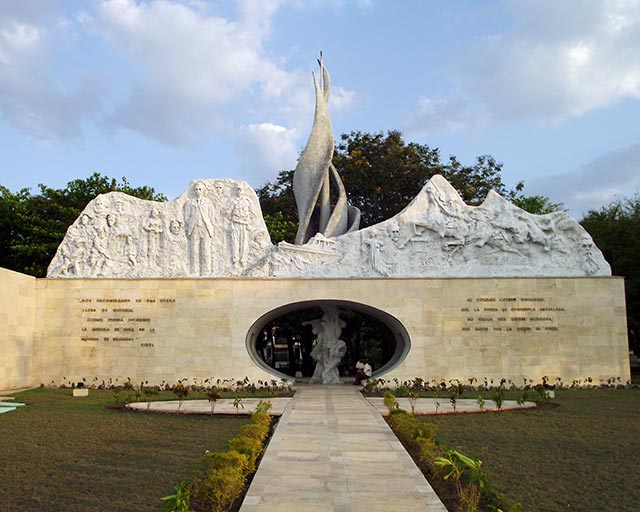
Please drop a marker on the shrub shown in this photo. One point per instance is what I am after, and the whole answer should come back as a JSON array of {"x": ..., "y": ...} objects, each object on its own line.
[
  {"x": 390, "y": 401},
  {"x": 223, "y": 479},
  {"x": 249, "y": 446}
]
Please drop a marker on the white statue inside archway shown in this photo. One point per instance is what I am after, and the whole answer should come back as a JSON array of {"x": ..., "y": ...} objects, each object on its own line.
[{"x": 329, "y": 348}]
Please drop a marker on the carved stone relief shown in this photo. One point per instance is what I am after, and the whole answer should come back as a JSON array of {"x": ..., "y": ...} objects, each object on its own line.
[{"x": 214, "y": 229}]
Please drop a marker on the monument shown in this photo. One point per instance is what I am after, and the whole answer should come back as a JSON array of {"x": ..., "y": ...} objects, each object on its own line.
[{"x": 159, "y": 291}]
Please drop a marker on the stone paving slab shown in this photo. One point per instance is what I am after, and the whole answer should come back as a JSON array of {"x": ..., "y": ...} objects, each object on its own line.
[{"x": 333, "y": 452}]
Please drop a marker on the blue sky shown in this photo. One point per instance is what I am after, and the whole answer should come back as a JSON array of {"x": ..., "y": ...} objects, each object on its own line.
[{"x": 166, "y": 91}]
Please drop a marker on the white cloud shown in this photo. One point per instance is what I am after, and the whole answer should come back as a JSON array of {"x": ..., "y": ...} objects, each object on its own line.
[
  {"x": 265, "y": 149},
  {"x": 560, "y": 59},
  {"x": 30, "y": 99},
  {"x": 597, "y": 183},
  {"x": 171, "y": 70},
  {"x": 190, "y": 64}
]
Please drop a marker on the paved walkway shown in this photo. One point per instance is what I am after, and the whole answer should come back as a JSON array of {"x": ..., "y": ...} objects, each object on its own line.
[{"x": 333, "y": 452}]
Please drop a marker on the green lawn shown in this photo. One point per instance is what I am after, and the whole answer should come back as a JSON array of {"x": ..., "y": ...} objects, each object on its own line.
[
  {"x": 582, "y": 455},
  {"x": 64, "y": 454}
]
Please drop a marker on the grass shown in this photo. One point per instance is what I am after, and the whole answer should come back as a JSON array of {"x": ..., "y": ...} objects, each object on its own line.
[
  {"x": 72, "y": 454},
  {"x": 582, "y": 453}
]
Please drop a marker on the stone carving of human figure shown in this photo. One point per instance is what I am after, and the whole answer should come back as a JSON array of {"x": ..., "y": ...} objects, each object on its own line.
[
  {"x": 240, "y": 224},
  {"x": 99, "y": 254},
  {"x": 98, "y": 206},
  {"x": 199, "y": 228},
  {"x": 329, "y": 349},
  {"x": 154, "y": 230},
  {"x": 376, "y": 257},
  {"x": 176, "y": 248}
]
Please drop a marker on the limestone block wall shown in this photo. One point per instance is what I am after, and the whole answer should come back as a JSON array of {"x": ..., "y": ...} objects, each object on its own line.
[
  {"x": 168, "y": 329},
  {"x": 17, "y": 307}
]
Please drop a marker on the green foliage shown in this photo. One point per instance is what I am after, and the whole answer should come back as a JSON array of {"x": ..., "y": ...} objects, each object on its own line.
[
  {"x": 419, "y": 437},
  {"x": 249, "y": 446},
  {"x": 223, "y": 479},
  {"x": 280, "y": 228},
  {"x": 615, "y": 229},
  {"x": 498, "y": 397},
  {"x": 390, "y": 401},
  {"x": 279, "y": 208},
  {"x": 455, "y": 390},
  {"x": 32, "y": 226},
  {"x": 237, "y": 403},
  {"x": 217, "y": 488},
  {"x": 538, "y": 205},
  {"x": 467, "y": 475},
  {"x": 179, "y": 500},
  {"x": 413, "y": 400}
]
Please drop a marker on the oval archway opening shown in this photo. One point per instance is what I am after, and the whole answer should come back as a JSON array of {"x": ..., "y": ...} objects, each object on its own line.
[{"x": 281, "y": 341}]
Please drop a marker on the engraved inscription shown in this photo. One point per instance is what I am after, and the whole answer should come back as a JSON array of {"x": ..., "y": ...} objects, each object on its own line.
[
  {"x": 510, "y": 314},
  {"x": 123, "y": 320}
]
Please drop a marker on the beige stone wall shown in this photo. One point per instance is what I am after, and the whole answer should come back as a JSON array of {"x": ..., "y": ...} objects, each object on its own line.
[
  {"x": 168, "y": 329},
  {"x": 17, "y": 306}
]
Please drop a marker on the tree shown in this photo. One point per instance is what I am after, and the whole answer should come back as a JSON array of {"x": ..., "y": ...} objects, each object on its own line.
[
  {"x": 382, "y": 174},
  {"x": 32, "y": 226},
  {"x": 538, "y": 205},
  {"x": 278, "y": 206},
  {"x": 616, "y": 231}
]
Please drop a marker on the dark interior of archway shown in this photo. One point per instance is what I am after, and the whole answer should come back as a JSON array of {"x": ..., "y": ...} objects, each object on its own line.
[{"x": 285, "y": 343}]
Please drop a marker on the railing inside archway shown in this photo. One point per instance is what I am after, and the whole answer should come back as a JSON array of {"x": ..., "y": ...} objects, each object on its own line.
[{"x": 282, "y": 340}]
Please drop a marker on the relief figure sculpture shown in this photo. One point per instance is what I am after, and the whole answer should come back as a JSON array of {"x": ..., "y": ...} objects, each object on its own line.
[
  {"x": 154, "y": 230},
  {"x": 199, "y": 213},
  {"x": 240, "y": 225}
]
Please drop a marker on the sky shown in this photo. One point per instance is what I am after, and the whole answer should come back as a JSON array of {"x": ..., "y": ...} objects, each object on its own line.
[{"x": 166, "y": 91}]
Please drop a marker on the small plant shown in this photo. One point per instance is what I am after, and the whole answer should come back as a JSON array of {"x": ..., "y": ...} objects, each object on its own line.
[
  {"x": 515, "y": 508},
  {"x": 498, "y": 397},
  {"x": 213, "y": 395},
  {"x": 541, "y": 394},
  {"x": 413, "y": 400},
  {"x": 263, "y": 406},
  {"x": 467, "y": 476},
  {"x": 390, "y": 401},
  {"x": 522, "y": 398},
  {"x": 181, "y": 391},
  {"x": 237, "y": 403},
  {"x": 149, "y": 391},
  {"x": 481, "y": 403},
  {"x": 454, "y": 393},
  {"x": 436, "y": 397},
  {"x": 179, "y": 500}
]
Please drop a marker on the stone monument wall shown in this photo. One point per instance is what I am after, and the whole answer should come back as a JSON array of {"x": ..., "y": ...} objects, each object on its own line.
[
  {"x": 17, "y": 307},
  {"x": 168, "y": 329}
]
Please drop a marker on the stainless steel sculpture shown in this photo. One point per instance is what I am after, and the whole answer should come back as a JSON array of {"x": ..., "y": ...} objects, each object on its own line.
[{"x": 315, "y": 176}]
